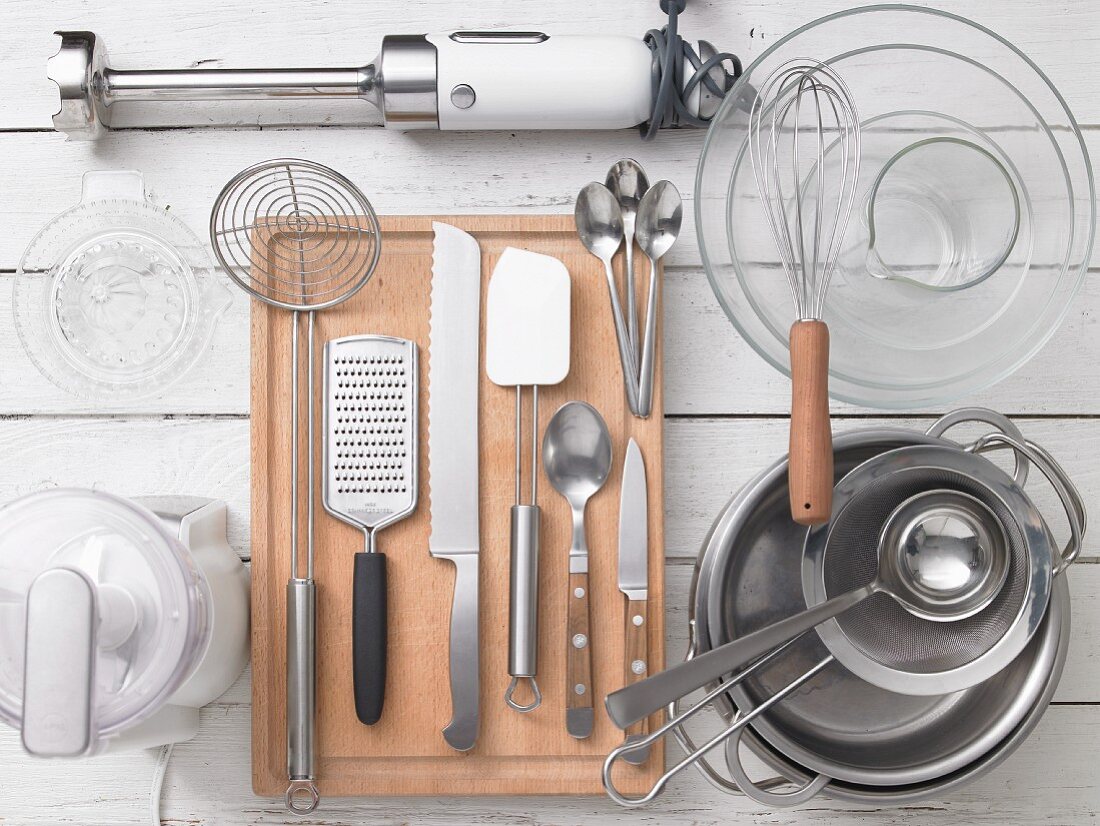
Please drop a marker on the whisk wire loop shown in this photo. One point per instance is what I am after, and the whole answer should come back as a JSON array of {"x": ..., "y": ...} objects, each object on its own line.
[{"x": 803, "y": 101}]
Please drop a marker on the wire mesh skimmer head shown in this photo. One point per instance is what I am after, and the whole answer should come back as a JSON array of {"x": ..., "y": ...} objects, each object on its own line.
[
  {"x": 879, "y": 640},
  {"x": 295, "y": 234},
  {"x": 803, "y": 113}
]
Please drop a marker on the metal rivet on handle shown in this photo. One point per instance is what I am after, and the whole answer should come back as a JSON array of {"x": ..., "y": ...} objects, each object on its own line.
[
  {"x": 580, "y": 640},
  {"x": 637, "y": 619},
  {"x": 579, "y": 688},
  {"x": 638, "y": 667}
]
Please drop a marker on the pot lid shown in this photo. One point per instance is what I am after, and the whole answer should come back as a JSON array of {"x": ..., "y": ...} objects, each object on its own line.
[{"x": 102, "y": 616}]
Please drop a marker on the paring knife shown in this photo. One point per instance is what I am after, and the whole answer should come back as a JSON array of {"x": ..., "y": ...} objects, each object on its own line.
[
  {"x": 453, "y": 372},
  {"x": 634, "y": 580}
]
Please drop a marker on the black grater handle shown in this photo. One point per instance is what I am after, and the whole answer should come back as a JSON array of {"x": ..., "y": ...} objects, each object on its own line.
[{"x": 368, "y": 636}]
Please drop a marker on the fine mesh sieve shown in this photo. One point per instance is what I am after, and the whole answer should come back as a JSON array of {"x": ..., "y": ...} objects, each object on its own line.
[
  {"x": 881, "y": 642},
  {"x": 880, "y": 627}
]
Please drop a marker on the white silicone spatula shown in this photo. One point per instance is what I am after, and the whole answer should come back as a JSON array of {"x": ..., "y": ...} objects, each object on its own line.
[{"x": 527, "y": 344}]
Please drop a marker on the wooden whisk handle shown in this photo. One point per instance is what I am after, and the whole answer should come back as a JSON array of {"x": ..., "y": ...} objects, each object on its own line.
[{"x": 811, "y": 448}]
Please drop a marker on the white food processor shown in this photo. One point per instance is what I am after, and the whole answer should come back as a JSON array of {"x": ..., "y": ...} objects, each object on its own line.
[{"x": 119, "y": 619}]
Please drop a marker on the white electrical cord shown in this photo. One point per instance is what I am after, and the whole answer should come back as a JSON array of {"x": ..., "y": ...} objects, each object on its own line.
[{"x": 159, "y": 771}]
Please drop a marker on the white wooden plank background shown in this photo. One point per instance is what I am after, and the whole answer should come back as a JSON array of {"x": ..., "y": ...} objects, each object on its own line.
[{"x": 724, "y": 406}]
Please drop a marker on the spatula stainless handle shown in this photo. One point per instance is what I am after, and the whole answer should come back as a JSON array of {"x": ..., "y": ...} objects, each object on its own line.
[
  {"x": 461, "y": 732},
  {"x": 368, "y": 636},
  {"x": 523, "y": 604},
  {"x": 301, "y": 602}
]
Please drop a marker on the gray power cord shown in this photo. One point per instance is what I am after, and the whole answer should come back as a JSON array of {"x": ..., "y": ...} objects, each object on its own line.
[{"x": 670, "y": 88}]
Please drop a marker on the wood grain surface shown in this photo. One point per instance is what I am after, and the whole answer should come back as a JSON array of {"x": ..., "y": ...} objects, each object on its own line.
[{"x": 405, "y": 753}]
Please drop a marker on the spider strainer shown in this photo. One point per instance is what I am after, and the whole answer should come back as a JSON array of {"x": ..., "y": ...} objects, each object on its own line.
[
  {"x": 881, "y": 642},
  {"x": 301, "y": 237}
]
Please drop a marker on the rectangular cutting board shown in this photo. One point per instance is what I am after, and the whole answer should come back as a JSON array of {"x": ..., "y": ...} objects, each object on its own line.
[{"x": 405, "y": 753}]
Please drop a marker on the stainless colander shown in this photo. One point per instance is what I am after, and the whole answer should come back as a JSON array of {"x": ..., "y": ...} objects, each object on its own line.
[{"x": 879, "y": 640}]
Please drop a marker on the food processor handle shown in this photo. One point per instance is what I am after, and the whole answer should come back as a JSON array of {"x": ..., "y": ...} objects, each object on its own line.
[
  {"x": 59, "y": 664},
  {"x": 368, "y": 635}
]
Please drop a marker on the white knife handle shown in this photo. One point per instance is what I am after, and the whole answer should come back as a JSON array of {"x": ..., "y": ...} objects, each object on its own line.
[
  {"x": 529, "y": 80},
  {"x": 461, "y": 732}
]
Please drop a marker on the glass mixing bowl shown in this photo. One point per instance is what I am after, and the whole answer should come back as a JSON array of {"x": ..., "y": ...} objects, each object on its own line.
[{"x": 973, "y": 219}]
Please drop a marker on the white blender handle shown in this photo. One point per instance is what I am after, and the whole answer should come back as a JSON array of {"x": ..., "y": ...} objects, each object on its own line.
[{"x": 529, "y": 80}]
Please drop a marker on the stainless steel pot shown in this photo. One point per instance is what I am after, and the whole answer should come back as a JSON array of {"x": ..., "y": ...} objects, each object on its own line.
[{"x": 833, "y": 731}]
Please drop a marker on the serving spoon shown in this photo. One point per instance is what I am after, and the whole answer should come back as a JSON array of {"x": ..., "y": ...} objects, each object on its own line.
[
  {"x": 576, "y": 455},
  {"x": 659, "y": 219}
]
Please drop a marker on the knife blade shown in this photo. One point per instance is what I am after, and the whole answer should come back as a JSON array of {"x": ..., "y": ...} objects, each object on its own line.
[
  {"x": 453, "y": 374},
  {"x": 634, "y": 580}
]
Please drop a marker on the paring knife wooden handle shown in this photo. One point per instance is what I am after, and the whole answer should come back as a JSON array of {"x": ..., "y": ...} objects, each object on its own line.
[
  {"x": 579, "y": 711},
  {"x": 811, "y": 446},
  {"x": 637, "y": 667}
]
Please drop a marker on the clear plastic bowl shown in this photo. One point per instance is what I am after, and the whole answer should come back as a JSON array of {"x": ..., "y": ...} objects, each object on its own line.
[{"x": 973, "y": 221}]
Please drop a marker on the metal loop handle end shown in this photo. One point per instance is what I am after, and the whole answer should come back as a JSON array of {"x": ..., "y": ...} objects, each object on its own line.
[
  {"x": 302, "y": 797},
  {"x": 523, "y": 709}
]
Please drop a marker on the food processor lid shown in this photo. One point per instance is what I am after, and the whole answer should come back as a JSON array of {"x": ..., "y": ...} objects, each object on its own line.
[
  {"x": 102, "y": 616},
  {"x": 116, "y": 296}
]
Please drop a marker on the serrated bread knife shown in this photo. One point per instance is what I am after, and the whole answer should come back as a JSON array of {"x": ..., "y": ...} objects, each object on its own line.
[{"x": 453, "y": 373}]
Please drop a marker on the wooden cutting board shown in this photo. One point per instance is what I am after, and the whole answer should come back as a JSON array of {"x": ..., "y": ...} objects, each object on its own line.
[{"x": 405, "y": 753}]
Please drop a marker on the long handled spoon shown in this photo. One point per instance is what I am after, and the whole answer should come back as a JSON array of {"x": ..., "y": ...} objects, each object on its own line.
[{"x": 659, "y": 219}]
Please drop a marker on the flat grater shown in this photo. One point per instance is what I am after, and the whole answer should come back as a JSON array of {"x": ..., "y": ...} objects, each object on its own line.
[{"x": 370, "y": 424}]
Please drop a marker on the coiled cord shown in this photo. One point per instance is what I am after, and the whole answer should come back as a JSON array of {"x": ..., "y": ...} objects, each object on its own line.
[{"x": 671, "y": 89}]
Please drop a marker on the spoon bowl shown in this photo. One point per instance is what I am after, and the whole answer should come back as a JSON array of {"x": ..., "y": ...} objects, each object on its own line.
[
  {"x": 943, "y": 555},
  {"x": 660, "y": 218},
  {"x": 576, "y": 452},
  {"x": 600, "y": 227},
  {"x": 627, "y": 181},
  {"x": 599, "y": 221}
]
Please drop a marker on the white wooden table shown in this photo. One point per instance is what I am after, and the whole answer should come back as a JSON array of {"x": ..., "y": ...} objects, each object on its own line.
[{"x": 724, "y": 407}]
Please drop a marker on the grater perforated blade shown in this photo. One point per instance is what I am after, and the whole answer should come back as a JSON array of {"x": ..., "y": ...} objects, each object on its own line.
[{"x": 370, "y": 461}]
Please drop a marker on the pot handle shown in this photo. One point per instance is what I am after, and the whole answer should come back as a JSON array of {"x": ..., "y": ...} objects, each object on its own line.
[
  {"x": 687, "y": 745},
  {"x": 983, "y": 415},
  {"x": 696, "y": 754},
  {"x": 761, "y": 792},
  {"x": 1067, "y": 492}
]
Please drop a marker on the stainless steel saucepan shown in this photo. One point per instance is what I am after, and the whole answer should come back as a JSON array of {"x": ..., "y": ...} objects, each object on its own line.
[{"x": 811, "y": 718}]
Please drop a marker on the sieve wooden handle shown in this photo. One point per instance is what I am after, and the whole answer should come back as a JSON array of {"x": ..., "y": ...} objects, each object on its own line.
[{"x": 811, "y": 447}]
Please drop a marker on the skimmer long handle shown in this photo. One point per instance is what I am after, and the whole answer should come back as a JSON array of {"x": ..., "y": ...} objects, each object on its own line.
[{"x": 811, "y": 447}]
